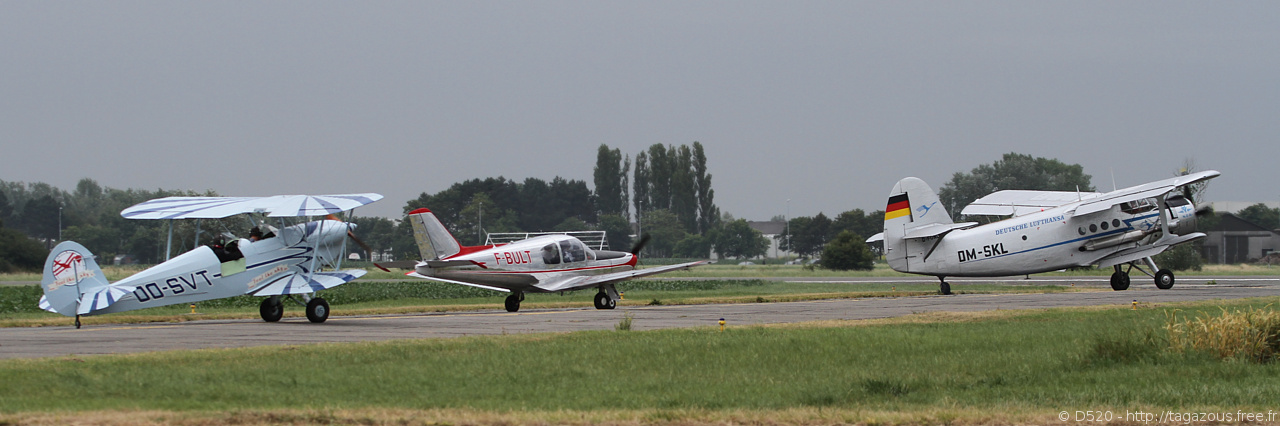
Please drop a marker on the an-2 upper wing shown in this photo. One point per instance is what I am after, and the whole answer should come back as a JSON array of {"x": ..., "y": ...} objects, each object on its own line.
[
  {"x": 1014, "y": 202},
  {"x": 1147, "y": 190},
  {"x": 220, "y": 207}
]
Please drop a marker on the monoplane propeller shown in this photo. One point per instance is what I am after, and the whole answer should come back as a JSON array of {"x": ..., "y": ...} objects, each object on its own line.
[{"x": 644, "y": 239}]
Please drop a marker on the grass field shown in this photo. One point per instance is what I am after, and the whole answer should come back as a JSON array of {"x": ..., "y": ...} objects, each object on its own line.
[
  {"x": 18, "y": 303},
  {"x": 993, "y": 367}
]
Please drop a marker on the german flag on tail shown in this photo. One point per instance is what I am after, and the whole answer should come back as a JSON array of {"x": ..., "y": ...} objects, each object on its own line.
[{"x": 899, "y": 206}]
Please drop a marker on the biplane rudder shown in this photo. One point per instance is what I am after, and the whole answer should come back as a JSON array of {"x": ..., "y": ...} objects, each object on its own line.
[{"x": 69, "y": 271}]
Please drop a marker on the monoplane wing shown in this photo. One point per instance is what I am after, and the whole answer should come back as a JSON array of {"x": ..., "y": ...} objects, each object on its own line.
[
  {"x": 444, "y": 280},
  {"x": 298, "y": 283},
  {"x": 1158, "y": 188},
  {"x": 220, "y": 207},
  {"x": 574, "y": 283},
  {"x": 1019, "y": 202}
]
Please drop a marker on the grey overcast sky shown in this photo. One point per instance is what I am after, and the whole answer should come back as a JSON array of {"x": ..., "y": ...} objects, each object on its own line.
[{"x": 823, "y": 103}]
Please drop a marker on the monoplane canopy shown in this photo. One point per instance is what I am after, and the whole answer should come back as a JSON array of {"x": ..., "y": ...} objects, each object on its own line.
[{"x": 273, "y": 206}]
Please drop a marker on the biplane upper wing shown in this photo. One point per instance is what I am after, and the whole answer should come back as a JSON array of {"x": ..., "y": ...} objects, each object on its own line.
[
  {"x": 1158, "y": 188},
  {"x": 273, "y": 206},
  {"x": 1014, "y": 202}
]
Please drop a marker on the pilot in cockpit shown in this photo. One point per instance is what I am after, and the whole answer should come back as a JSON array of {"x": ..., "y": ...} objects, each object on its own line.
[{"x": 256, "y": 234}]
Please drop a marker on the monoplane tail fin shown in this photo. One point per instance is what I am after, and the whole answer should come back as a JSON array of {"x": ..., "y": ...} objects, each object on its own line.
[{"x": 434, "y": 240}]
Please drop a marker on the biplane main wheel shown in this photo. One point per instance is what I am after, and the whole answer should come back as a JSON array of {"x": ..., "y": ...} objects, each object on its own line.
[
  {"x": 1164, "y": 279},
  {"x": 317, "y": 310},
  {"x": 1119, "y": 281},
  {"x": 603, "y": 301},
  {"x": 944, "y": 289},
  {"x": 271, "y": 309},
  {"x": 513, "y": 303}
]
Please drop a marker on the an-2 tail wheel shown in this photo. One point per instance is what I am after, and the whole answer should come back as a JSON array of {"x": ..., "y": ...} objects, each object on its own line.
[
  {"x": 271, "y": 309},
  {"x": 317, "y": 310},
  {"x": 944, "y": 289},
  {"x": 512, "y": 303},
  {"x": 1119, "y": 281},
  {"x": 1164, "y": 279}
]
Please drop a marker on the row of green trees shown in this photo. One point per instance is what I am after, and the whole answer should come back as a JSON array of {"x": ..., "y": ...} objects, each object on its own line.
[{"x": 90, "y": 215}]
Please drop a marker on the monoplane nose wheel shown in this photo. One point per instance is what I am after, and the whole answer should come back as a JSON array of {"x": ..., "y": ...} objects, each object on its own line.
[
  {"x": 513, "y": 302},
  {"x": 603, "y": 301},
  {"x": 1119, "y": 281},
  {"x": 271, "y": 309},
  {"x": 1164, "y": 279},
  {"x": 317, "y": 310}
]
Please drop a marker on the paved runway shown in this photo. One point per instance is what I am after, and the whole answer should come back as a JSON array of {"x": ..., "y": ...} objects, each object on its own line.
[{"x": 104, "y": 339}]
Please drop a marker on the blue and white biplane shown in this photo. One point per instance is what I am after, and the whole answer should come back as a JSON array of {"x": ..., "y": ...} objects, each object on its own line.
[{"x": 274, "y": 262}]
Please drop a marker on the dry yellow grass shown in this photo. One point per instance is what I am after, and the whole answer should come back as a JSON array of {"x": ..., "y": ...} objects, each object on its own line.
[{"x": 1249, "y": 335}]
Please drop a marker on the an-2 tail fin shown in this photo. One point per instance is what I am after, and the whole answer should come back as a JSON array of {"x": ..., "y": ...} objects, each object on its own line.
[
  {"x": 434, "y": 240},
  {"x": 69, "y": 272},
  {"x": 912, "y": 203}
]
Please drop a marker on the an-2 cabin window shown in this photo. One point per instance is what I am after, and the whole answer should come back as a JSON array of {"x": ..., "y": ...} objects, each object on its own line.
[
  {"x": 1137, "y": 206},
  {"x": 550, "y": 254}
]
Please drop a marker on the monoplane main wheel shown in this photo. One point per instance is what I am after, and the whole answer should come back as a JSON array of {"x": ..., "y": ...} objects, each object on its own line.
[
  {"x": 513, "y": 303},
  {"x": 603, "y": 301},
  {"x": 1164, "y": 279},
  {"x": 317, "y": 310},
  {"x": 944, "y": 289},
  {"x": 1119, "y": 281},
  {"x": 271, "y": 309}
]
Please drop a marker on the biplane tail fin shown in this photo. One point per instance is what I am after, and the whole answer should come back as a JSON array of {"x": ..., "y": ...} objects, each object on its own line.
[
  {"x": 69, "y": 272},
  {"x": 912, "y": 204},
  {"x": 434, "y": 240}
]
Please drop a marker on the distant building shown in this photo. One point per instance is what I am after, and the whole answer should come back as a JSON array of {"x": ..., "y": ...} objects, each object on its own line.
[
  {"x": 772, "y": 230},
  {"x": 1236, "y": 240}
]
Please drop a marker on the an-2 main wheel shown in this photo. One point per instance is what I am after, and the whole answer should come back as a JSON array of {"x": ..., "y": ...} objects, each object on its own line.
[
  {"x": 317, "y": 310},
  {"x": 1119, "y": 281},
  {"x": 1164, "y": 279},
  {"x": 271, "y": 309}
]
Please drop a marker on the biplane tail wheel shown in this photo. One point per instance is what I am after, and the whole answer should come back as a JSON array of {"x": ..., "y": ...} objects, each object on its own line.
[
  {"x": 317, "y": 310},
  {"x": 271, "y": 309}
]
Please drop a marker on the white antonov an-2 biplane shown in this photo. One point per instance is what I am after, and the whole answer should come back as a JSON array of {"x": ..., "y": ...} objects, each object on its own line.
[
  {"x": 542, "y": 264},
  {"x": 1048, "y": 230},
  {"x": 283, "y": 262}
]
